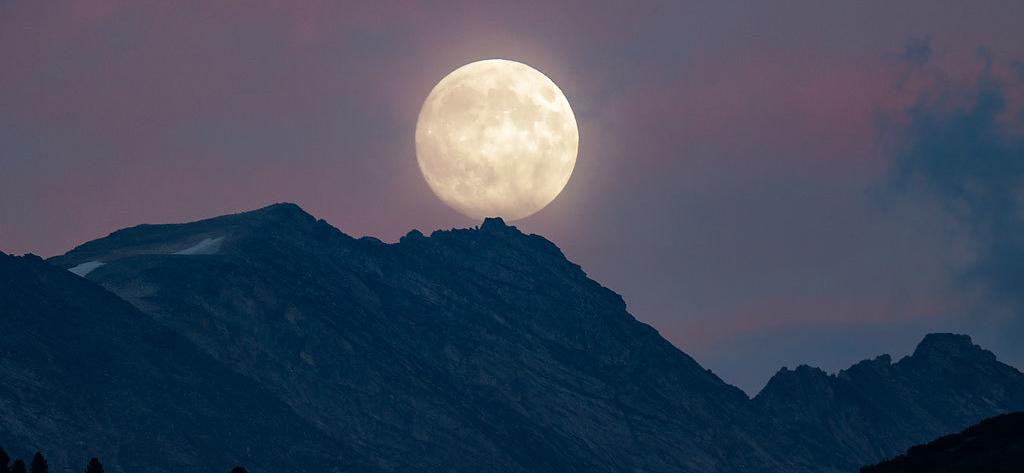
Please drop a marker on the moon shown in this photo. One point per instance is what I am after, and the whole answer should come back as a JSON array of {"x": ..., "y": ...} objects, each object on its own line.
[{"x": 496, "y": 138}]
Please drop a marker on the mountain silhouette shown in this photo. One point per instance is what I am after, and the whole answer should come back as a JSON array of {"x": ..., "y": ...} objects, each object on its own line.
[
  {"x": 995, "y": 445},
  {"x": 485, "y": 349}
]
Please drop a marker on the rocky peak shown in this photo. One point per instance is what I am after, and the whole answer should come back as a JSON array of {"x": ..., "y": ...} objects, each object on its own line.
[
  {"x": 496, "y": 225},
  {"x": 809, "y": 372},
  {"x": 879, "y": 365},
  {"x": 281, "y": 221},
  {"x": 787, "y": 383},
  {"x": 802, "y": 372},
  {"x": 412, "y": 235},
  {"x": 950, "y": 346},
  {"x": 282, "y": 211},
  {"x": 282, "y": 208}
]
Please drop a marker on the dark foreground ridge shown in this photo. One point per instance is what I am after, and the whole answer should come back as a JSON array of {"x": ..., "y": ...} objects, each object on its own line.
[
  {"x": 40, "y": 465},
  {"x": 995, "y": 445},
  {"x": 478, "y": 349}
]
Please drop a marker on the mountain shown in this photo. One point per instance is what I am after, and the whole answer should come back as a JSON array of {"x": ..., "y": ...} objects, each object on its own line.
[
  {"x": 485, "y": 349},
  {"x": 84, "y": 373},
  {"x": 995, "y": 445},
  {"x": 875, "y": 406},
  {"x": 480, "y": 349}
]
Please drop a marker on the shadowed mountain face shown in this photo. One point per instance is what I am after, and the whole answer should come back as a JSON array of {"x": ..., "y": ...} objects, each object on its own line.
[
  {"x": 84, "y": 373},
  {"x": 486, "y": 350},
  {"x": 865, "y": 411},
  {"x": 995, "y": 445}
]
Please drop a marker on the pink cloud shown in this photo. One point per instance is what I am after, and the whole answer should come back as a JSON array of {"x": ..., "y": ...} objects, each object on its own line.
[{"x": 767, "y": 108}]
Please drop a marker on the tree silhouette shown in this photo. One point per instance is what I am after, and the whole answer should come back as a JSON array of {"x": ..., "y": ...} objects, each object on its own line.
[
  {"x": 39, "y": 464},
  {"x": 239, "y": 469},
  {"x": 19, "y": 467},
  {"x": 5, "y": 461},
  {"x": 94, "y": 466}
]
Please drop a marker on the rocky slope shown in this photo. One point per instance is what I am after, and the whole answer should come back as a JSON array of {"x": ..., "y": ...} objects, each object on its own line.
[
  {"x": 876, "y": 408},
  {"x": 84, "y": 373},
  {"x": 486, "y": 350}
]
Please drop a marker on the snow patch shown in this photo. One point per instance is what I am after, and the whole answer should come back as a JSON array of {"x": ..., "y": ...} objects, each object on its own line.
[
  {"x": 208, "y": 246},
  {"x": 86, "y": 268}
]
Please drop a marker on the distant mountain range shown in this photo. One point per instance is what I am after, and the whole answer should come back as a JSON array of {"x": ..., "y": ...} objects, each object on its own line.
[{"x": 274, "y": 340}]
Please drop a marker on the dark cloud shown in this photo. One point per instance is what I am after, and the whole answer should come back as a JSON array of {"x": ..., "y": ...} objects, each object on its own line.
[
  {"x": 964, "y": 145},
  {"x": 918, "y": 50}
]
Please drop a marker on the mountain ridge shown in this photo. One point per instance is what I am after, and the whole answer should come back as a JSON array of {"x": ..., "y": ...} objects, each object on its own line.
[
  {"x": 536, "y": 313},
  {"x": 486, "y": 346}
]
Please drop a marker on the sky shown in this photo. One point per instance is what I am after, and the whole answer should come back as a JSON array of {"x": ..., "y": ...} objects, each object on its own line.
[{"x": 766, "y": 183}]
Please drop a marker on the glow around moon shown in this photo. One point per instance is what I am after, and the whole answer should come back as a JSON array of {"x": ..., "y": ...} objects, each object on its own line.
[{"x": 496, "y": 138}]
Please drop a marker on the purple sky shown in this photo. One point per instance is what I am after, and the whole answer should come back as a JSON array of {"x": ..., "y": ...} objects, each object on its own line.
[{"x": 755, "y": 179}]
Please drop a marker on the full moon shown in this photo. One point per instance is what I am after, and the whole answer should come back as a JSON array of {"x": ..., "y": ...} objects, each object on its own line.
[{"x": 496, "y": 138}]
